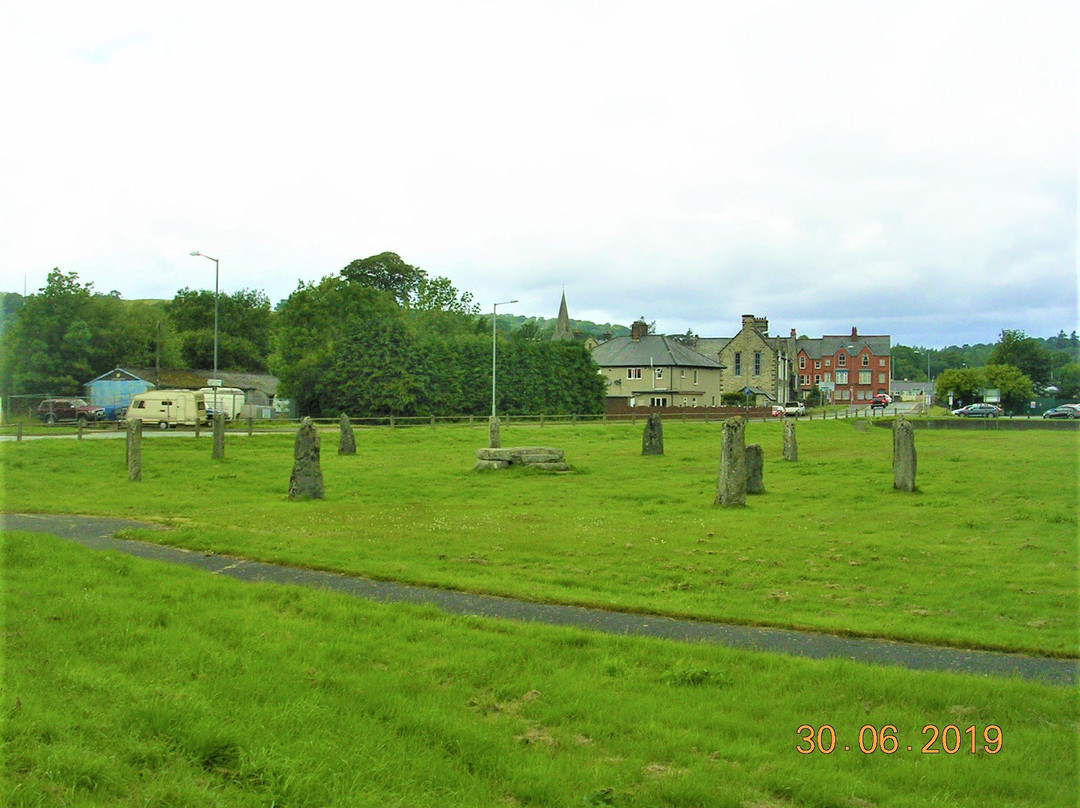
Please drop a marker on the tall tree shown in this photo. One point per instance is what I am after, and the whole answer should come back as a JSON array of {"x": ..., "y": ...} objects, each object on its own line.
[
  {"x": 963, "y": 384},
  {"x": 1015, "y": 387},
  {"x": 1021, "y": 351},
  {"x": 49, "y": 346},
  {"x": 244, "y": 328}
]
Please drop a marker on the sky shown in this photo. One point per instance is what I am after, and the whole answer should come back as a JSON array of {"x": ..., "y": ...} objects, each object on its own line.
[{"x": 906, "y": 168}]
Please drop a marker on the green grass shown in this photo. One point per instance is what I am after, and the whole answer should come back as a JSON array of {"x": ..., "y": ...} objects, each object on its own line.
[
  {"x": 131, "y": 683},
  {"x": 984, "y": 555}
]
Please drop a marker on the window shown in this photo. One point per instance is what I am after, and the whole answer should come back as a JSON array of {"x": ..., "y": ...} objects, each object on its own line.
[
  {"x": 817, "y": 364},
  {"x": 802, "y": 363},
  {"x": 695, "y": 377},
  {"x": 864, "y": 377},
  {"x": 658, "y": 401},
  {"x": 757, "y": 363},
  {"x": 828, "y": 377},
  {"x": 881, "y": 363},
  {"x": 803, "y": 380},
  {"x": 738, "y": 363},
  {"x": 865, "y": 360},
  {"x": 682, "y": 373},
  {"x": 659, "y": 373},
  {"x": 817, "y": 378},
  {"x": 633, "y": 373},
  {"x": 828, "y": 363},
  {"x": 841, "y": 377},
  {"x": 881, "y": 378}
]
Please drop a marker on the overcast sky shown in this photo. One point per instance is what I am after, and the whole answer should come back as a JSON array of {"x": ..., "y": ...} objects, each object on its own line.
[{"x": 907, "y": 168}]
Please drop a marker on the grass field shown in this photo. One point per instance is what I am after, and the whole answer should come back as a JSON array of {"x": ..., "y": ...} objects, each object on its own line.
[
  {"x": 130, "y": 683},
  {"x": 983, "y": 556}
]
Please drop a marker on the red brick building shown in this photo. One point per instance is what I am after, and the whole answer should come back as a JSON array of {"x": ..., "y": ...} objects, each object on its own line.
[{"x": 854, "y": 366}]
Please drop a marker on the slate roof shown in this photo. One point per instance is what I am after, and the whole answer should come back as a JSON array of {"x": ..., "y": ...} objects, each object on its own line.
[
  {"x": 712, "y": 346},
  {"x": 829, "y": 345},
  {"x": 655, "y": 350},
  {"x": 194, "y": 379}
]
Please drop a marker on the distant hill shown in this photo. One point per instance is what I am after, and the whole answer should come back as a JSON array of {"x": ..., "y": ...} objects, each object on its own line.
[{"x": 545, "y": 327}]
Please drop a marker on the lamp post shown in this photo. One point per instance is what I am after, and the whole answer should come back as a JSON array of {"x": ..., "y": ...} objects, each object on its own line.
[
  {"x": 216, "y": 278},
  {"x": 494, "y": 316}
]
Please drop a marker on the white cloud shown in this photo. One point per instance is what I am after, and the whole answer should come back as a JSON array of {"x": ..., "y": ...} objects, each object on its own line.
[{"x": 833, "y": 163}]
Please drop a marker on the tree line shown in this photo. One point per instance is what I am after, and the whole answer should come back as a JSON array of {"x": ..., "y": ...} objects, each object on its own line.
[
  {"x": 383, "y": 337},
  {"x": 380, "y": 337}
]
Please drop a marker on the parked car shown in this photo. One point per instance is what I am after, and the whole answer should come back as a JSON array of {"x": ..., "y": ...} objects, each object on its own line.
[
  {"x": 978, "y": 411},
  {"x": 777, "y": 411},
  {"x": 73, "y": 410},
  {"x": 210, "y": 412},
  {"x": 880, "y": 401},
  {"x": 794, "y": 408},
  {"x": 1064, "y": 411}
]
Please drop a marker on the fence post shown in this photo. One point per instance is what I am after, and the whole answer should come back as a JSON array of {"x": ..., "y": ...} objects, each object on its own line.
[
  {"x": 541, "y": 420},
  {"x": 18, "y": 434},
  {"x": 251, "y": 423},
  {"x": 391, "y": 422},
  {"x": 433, "y": 422},
  {"x": 470, "y": 420}
]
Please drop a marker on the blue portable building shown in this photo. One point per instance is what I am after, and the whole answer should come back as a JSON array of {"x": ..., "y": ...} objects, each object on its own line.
[{"x": 113, "y": 390}]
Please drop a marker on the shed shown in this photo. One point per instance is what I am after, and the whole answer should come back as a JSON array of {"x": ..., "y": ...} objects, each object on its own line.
[{"x": 113, "y": 390}]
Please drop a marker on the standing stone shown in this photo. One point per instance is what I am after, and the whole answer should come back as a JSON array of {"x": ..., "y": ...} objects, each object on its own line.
[
  {"x": 306, "y": 481},
  {"x": 219, "y": 435},
  {"x": 134, "y": 450},
  {"x": 652, "y": 441},
  {"x": 903, "y": 455},
  {"x": 494, "y": 440},
  {"x": 791, "y": 448},
  {"x": 731, "y": 484},
  {"x": 347, "y": 444},
  {"x": 755, "y": 469}
]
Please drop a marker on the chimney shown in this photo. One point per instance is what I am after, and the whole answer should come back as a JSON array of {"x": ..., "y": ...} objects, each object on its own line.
[
  {"x": 638, "y": 330},
  {"x": 854, "y": 333},
  {"x": 793, "y": 333}
]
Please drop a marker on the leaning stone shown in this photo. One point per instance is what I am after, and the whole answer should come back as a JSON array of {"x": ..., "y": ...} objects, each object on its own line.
[
  {"x": 755, "y": 469},
  {"x": 306, "y": 481},
  {"x": 347, "y": 444},
  {"x": 791, "y": 446},
  {"x": 652, "y": 441},
  {"x": 731, "y": 483},
  {"x": 494, "y": 439},
  {"x": 904, "y": 458}
]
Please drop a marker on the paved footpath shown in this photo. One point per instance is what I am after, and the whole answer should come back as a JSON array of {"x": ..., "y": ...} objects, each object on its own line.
[{"x": 98, "y": 533}]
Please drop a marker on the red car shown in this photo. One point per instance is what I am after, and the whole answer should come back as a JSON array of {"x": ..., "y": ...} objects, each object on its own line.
[
  {"x": 880, "y": 401},
  {"x": 74, "y": 410}
]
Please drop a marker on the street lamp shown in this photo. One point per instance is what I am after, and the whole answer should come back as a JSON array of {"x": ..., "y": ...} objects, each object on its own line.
[
  {"x": 494, "y": 315},
  {"x": 216, "y": 277}
]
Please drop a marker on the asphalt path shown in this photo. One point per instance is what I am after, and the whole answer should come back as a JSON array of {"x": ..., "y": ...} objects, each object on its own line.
[{"x": 99, "y": 533}]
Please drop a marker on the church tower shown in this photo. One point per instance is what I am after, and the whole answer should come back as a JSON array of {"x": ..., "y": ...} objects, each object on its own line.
[{"x": 562, "y": 325}]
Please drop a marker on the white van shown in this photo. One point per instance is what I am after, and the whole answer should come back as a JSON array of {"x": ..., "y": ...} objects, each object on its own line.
[
  {"x": 230, "y": 400},
  {"x": 168, "y": 408}
]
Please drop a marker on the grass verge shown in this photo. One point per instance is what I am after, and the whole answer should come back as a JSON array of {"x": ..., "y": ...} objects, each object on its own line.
[{"x": 129, "y": 683}]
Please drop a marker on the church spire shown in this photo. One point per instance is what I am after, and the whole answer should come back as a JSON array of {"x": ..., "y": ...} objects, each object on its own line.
[{"x": 562, "y": 325}]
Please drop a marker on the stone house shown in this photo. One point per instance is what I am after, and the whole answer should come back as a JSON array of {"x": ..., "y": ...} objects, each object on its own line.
[
  {"x": 752, "y": 360},
  {"x": 651, "y": 370}
]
